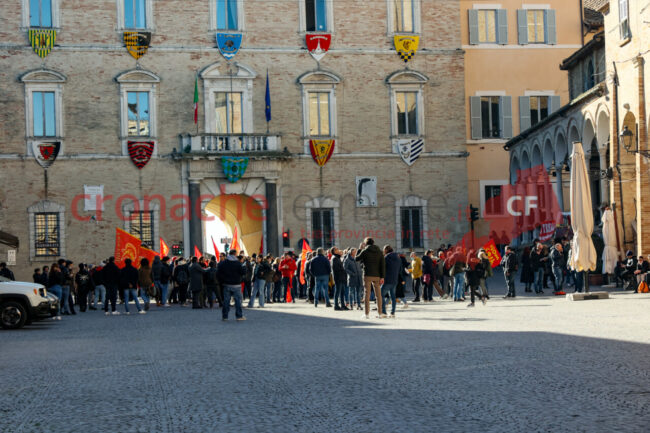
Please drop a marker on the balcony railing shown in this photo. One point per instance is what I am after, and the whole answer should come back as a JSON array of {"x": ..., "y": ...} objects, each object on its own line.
[{"x": 230, "y": 143}]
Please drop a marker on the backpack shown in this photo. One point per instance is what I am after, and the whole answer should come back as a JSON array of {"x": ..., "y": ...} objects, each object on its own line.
[
  {"x": 182, "y": 277},
  {"x": 643, "y": 287}
]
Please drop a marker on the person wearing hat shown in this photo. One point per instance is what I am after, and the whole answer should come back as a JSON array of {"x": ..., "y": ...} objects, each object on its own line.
[{"x": 509, "y": 264}]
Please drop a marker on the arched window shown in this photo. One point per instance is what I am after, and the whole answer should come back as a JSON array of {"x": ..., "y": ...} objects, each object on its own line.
[{"x": 406, "y": 89}]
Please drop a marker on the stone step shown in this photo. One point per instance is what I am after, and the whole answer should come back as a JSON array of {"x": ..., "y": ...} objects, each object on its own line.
[{"x": 587, "y": 296}]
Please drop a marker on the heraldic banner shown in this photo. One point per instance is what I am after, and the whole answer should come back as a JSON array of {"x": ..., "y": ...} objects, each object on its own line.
[
  {"x": 410, "y": 150},
  {"x": 46, "y": 153},
  {"x": 127, "y": 246},
  {"x": 140, "y": 152},
  {"x": 318, "y": 44},
  {"x": 137, "y": 43},
  {"x": 228, "y": 44},
  {"x": 234, "y": 167},
  {"x": 321, "y": 150},
  {"x": 42, "y": 41},
  {"x": 406, "y": 46}
]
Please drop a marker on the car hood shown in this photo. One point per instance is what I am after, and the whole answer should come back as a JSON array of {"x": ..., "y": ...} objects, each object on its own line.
[{"x": 18, "y": 287}]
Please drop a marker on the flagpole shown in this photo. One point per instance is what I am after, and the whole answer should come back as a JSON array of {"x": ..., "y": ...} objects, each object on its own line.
[
  {"x": 196, "y": 80},
  {"x": 267, "y": 86}
]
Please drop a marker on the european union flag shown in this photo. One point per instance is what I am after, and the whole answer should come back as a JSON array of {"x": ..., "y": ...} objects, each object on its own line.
[{"x": 268, "y": 99}]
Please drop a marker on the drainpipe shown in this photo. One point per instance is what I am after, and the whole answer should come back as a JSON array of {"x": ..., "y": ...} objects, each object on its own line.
[
  {"x": 582, "y": 23},
  {"x": 616, "y": 143},
  {"x": 643, "y": 144}
]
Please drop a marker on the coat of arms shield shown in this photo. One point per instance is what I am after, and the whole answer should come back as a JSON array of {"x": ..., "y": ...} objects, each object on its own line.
[
  {"x": 46, "y": 153},
  {"x": 137, "y": 43},
  {"x": 229, "y": 44},
  {"x": 318, "y": 44},
  {"x": 321, "y": 150},
  {"x": 42, "y": 41},
  {"x": 234, "y": 167},
  {"x": 410, "y": 150},
  {"x": 406, "y": 46},
  {"x": 140, "y": 152}
]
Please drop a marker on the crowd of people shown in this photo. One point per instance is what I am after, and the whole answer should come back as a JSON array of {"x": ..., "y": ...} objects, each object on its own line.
[{"x": 343, "y": 279}]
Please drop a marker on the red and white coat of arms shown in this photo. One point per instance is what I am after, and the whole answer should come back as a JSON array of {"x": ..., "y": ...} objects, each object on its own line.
[{"x": 318, "y": 44}]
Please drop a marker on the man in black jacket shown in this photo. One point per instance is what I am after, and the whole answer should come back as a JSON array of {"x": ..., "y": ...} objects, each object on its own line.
[
  {"x": 509, "y": 263},
  {"x": 231, "y": 273},
  {"x": 340, "y": 279},
  {"x": 111, "y": 278},
  {"x": 84, "y": 285},
  {"x": 374, "y": 269},
  {"x": 129, "y": 283}
]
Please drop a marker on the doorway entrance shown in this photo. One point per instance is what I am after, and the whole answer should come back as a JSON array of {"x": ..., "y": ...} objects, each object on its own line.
[{"x": 228, "y": 212}]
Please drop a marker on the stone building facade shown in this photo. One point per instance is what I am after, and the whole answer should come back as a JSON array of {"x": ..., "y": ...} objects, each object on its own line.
[{"x": 90, "y": 95}]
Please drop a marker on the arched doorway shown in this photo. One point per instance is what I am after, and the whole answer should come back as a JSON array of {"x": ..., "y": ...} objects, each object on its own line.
[{"x": 228, "y": 212}]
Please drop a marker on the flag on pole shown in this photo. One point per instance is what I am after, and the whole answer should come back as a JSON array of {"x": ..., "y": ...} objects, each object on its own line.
[
  {"x": 196, "y": 99},
  {"x": 197, "y": 253},
  {"x": 164, "y": 249},
  {"x": 235, "y": 242},
  {"x": 303, "y": 257},
  {"x": 216, "y": 250},
  {"x": 262, "y": 246},
  {"x": 267, "y": 110},
  {"x": 145, "y": 253},
  {"x": 127, "y": 246}
]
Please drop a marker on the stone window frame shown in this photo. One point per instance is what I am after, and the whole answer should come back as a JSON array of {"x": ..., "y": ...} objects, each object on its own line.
[
  {"x": 56, "y": 16},
  {"x": 406, "y": 81},
  {"x": 45, "y": 206},
  {"x": 325, "y": 82},
  {"x": 323, "y": 203},
  {"x": 241, "y": 21},
  {"x": 214, "y": 81},
  {"x": 491, "y": 182},
  {"x": 130, "y": 207},
  {"x": 417, "y": 20},
  {"x": 412, "y": 201},
  {"x": 43, "y": 80},
  {"x": 149, "y": 16},
  {"x": 138, "y": 80},
  {"x": 302, "y": 19}
]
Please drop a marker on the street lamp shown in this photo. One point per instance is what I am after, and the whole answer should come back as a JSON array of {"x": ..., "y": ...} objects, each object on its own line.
[{"x": 626, "y": 137}]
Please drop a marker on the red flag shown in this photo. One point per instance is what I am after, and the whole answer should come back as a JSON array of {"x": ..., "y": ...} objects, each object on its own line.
[
  {"x": 127, "y": 246},
  {"x": 146, "y": 253},
  {"x": 303, "y": 256},
  {"x": 235, "y": 242},
  {"x": 196, "y": 99},
  {"x": 164, "y": 249},
  {"x": 288, "y": 298},
  {"x": 216, "y": 250},
  {"x": 493, "y": 253},
  {"x": 197, "y": 253},
  {"x": 262, "y": 246}
]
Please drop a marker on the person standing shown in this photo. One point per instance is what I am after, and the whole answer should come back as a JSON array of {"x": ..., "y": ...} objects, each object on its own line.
[
  {"x": 258, "y": 282},
  {"x": 340, "y": 279},
  {"x": 288, "y": 269},
  {"x": 66, "y": 308},
  {"x": 374, "y": 268},
  {"x": 474, "y": 272},
  {"x": 212, "y": 284},
  {"x": 6, "y": 272},
  {"x": 181, "y": 276},
  {"x": 354, "y": 278},
  {"x": 230, "y": 273},
  {"x": 145, "y": 282},
  {"x": 100, "y": 288},
  {"x": 196, "y": 282},
  {"x": 415, "y": 269},
  {"x": 537, "y": 262},
  {"x": 458, "y": 265},
  {"x": 111, "y": 278},
  {"x": 129, "y": 283},
  {"x": 84, "y": 285},
  {"x": 156, "y": 269},
  {"x": 557, "y": 266},
  {"x": 509, "y": 264},
  {"x": 393, "y": 265},
  {"x": 55, "y": 279},
  {"x": 487, "y": 267},
  {"x": 320, "y": 267}
]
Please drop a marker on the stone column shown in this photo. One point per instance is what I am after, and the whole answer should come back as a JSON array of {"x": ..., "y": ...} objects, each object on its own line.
[
  {"x": 559, "y": 190},
  {"x": 196, "y": 232},
  {"x": 272, "y": 237}
]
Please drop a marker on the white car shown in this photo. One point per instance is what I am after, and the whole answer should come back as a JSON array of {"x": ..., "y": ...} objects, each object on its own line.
[{"x": 23, "y": 303}]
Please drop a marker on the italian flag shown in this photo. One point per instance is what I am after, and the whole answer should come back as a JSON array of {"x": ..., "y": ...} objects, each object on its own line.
[{"x": 196, "y": 99}]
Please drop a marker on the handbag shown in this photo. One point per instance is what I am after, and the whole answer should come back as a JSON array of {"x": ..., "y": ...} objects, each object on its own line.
[
  {"x": 643, "y": 287},
  {"x": 426, "y": 278}
]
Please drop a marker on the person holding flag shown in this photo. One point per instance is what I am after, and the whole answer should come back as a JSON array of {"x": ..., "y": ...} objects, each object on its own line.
[{"x": 288, "y": 269}]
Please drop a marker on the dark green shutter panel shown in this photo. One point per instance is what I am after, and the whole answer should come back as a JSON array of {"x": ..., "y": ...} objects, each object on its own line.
[
  {"x": 555, "y": 104},
  {"x": 524, "y": 113},
  {"x": 475, "y": 114},
  {"x": 506, "y": 116},
  {"x": 502, "y": 23},
  {"x": 522, "y": 26},
  {"x": 551, "y": 29},
  {"x": 473, "y": 26}
]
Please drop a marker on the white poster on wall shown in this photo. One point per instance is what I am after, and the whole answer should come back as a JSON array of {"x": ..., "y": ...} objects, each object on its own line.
[
  {"x": 92, "y": 196},
  {"x": 366, "y": 191},
  {"x": 11, "y": 257}
]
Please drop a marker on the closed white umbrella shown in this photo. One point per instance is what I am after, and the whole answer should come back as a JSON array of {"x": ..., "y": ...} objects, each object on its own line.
[
  {"x": 610, "y": 253},
  {"x": 583, "y": 253}
]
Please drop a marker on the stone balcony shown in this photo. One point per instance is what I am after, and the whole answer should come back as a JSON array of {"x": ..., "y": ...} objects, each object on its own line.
[{"x": 228, "y": 144}]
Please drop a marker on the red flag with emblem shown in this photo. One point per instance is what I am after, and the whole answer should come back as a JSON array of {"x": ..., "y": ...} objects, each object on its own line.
[
  {"x": 164, "y": 249},
  {"x": 303, "y": 256}
]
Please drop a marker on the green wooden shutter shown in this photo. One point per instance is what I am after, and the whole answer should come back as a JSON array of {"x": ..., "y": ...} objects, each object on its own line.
[
  {"x": 475, "y": 114},
  {"x": 502, "y": 23},
  {"x": 522, "y": 26},
  {"x": 473, "y": 26},
  {"x": 505, "y": 105},
  {"x": 550, "y": 27},
  {"x": 524, "y": 113},
  {"x": 555, "y": 104}
]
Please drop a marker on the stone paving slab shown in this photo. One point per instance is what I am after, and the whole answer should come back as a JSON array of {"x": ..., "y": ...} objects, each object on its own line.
[{"x": 523, "y": 365}]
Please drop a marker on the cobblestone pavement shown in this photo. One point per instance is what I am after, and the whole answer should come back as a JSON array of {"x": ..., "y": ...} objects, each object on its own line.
[{"x": 524, "y": 365}]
